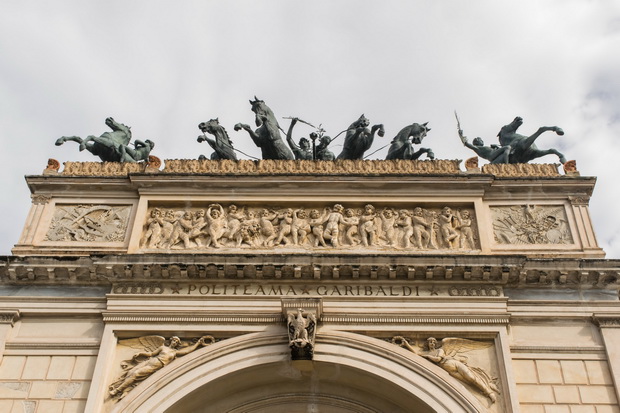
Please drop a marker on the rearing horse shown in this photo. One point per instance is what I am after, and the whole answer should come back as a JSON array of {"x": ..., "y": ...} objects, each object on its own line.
[
  {"x": 402, "y": 148},
  {"x": 267, "y": 136},
  {"x": 221, "y": 145},
  {"x": 523, "y": 148},
  {"x": 107, "y": 146},
  {"x": 359, "y": 138}
]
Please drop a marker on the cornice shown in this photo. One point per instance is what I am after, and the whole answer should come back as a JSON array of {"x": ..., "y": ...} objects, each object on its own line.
[
  {"x": 510, "y": 271},
  {"x": 556, "y": 349},
  {"x": 416, "y": 320},
  {"x": 135, "y": 317},
  {"x": 607, "y": 320}
]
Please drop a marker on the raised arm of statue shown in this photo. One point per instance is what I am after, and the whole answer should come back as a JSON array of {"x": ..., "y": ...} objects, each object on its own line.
[
  {"x": 289, "y": 136},
  {"x": 465, "y": 141}
]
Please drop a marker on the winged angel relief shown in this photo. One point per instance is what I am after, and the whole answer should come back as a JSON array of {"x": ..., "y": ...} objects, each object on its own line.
[
  {"x": 157, "y": 354},
  {"x": 446, "y": 355}
]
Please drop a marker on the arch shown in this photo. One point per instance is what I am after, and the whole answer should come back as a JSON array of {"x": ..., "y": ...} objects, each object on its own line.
[{"x": 253, "y": 373}]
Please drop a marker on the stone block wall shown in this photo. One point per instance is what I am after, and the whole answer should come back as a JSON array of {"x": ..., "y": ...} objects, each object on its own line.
[
  {"x": 565, "y": 386},
  {"x": 45, "y": 384}
]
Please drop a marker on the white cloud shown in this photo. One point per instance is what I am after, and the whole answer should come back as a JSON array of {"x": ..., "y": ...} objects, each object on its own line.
[{"x": 163, "y": 67}]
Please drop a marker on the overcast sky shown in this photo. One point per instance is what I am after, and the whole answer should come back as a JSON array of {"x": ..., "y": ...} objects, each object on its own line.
[{"x": 162, "y": 67}]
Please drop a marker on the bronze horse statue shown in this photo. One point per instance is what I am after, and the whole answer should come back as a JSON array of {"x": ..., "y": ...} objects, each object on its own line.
[
  {"x": 267, "y": 137},
  {"x": 402, "y": 148},
  {"x": 523, "y": 148},
  {"x": 108, "y": 147},
  {"x": 221, "y": 145},
  {"x": 359, "y": 138}
]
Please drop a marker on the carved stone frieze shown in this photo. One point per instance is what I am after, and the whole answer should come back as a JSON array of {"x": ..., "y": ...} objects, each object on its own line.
[
  {"x": 335, "y": 227},
  {"x": 448, "y": 354},
  {"x": 156, "y": 353},
  {"x": 530, "y": 224},
  {"x": 521, "y": 169},
  {"x": 339, "y": 167},
  {"x": 89, "y": 223},
  {"x": 102, "y": 168}
]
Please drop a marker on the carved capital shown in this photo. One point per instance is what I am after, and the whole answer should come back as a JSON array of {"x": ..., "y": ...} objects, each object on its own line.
[
  {"x": 607, "y": 320},
  {"x": 579, "y": 200},
  {"x": 40, "y": 199},
  {"x": 9, "y": 317}
]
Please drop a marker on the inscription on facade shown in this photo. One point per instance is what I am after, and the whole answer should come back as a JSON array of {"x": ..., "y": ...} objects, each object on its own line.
[{"x": 332, "y": 290}]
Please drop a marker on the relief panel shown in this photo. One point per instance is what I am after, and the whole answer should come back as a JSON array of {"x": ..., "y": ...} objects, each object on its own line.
[
  {"x": 327, "y": 227},
  {"x": 88, "y": 223},
  {"x": 530, "y": 224}
]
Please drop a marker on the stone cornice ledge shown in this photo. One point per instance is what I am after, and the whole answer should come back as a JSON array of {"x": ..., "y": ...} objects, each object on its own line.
[
  {"x": 607, "y": 320},
  {"x": 509, "y": 271},
  {"x": 267, "y": 318}
]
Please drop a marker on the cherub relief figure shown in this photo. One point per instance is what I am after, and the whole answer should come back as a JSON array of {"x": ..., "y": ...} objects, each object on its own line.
[
  {"x": 316, "y": 223},
  {"x": 233, "y": 225},
  {"x": 447, "y": 225},
  {"x": 421, "y": 229},
  {"x": 286, "y": 226},
  {"x": 155, "y": 224},
  {"x": 446, "y": 354},
  {"x": 405, "y": 222},
  {"x": 300, "y": 227},
  {"x": 216, "y": 225},
  {"x": 332, "y": 229},
  {"x": 266, "y": 226},
  {"x": 156, "y": 355},
  {"x": 368, "y": 228},
  {"x": 466, "y": 238},
  {"x": 388, "y": 226},
  {"x": 351, "y": 223}
]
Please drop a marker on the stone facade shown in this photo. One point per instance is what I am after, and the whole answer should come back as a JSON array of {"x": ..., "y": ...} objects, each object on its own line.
[{"x": 454, "y": 292}]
